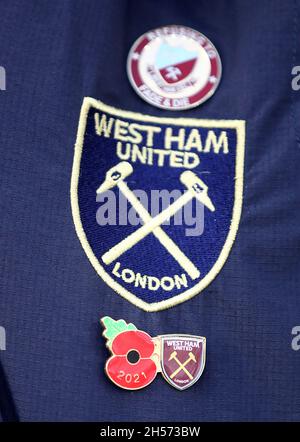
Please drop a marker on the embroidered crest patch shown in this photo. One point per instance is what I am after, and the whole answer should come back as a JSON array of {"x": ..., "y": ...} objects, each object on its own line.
[{"x": 156, "y": 201}]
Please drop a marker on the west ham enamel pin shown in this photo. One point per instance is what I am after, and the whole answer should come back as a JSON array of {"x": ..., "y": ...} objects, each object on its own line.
[
  {"x": 174, "y": 67},
  {"x": 137, "y": 358}
]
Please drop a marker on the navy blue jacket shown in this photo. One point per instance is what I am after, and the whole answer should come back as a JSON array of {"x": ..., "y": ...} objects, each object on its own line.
[{"x": 55, "y": 53}]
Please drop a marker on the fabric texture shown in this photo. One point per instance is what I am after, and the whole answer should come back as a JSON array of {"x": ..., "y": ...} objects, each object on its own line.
[{"x": 55, "y": 53}]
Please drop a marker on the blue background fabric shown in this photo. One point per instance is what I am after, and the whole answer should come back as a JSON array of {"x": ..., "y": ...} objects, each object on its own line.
[{"x": 55, "y": 53}]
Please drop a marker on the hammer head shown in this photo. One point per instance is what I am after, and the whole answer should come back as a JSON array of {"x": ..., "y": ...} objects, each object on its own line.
[
  {"x": 115, "y": 175},
  {"x": 192, "y": 357},
  {"x": 198, "y": 188},
  {"x": 173, "y": 355}
]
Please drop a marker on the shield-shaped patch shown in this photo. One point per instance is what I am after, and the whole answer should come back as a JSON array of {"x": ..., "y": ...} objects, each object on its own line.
[
  {"x": 182, "y": 359},
  {"x": 156, "y": 201}
]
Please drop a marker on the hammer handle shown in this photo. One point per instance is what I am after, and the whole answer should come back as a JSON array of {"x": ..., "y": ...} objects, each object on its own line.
[
  {"x": 147, "y": 228},
  {"x": 159, "y": 233}
]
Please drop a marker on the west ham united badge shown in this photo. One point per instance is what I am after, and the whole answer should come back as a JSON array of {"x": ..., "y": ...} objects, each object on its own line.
[
  {"x": 174, "y": 67},
  {"x": 156, "y": 201},
  {"x": 182, "y": 359},
  {"x": 137, "y": 358}
]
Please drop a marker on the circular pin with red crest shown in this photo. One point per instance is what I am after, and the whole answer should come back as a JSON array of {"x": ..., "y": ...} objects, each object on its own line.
[{"x": 174, "y": 67}]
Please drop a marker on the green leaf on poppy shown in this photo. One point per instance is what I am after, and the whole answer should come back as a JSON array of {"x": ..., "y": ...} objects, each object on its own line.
[{"x": 113, "y": 328}]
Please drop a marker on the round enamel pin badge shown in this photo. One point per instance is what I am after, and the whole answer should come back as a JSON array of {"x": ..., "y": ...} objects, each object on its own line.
[{"x": 174, "y": 67}]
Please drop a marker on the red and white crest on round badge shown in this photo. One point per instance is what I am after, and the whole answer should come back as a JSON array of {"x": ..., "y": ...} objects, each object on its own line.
[{"x": 174, "y": 67}]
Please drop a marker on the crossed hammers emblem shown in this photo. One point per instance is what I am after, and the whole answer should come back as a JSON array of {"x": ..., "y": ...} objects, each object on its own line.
[
  {"x": 196, "y": 188},
  {"x": 182, "y": 366}
]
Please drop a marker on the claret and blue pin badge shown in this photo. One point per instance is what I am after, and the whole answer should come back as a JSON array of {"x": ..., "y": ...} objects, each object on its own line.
[
  {"x": 174, "y": 67},
  {"x": 136, "y": 357}
]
